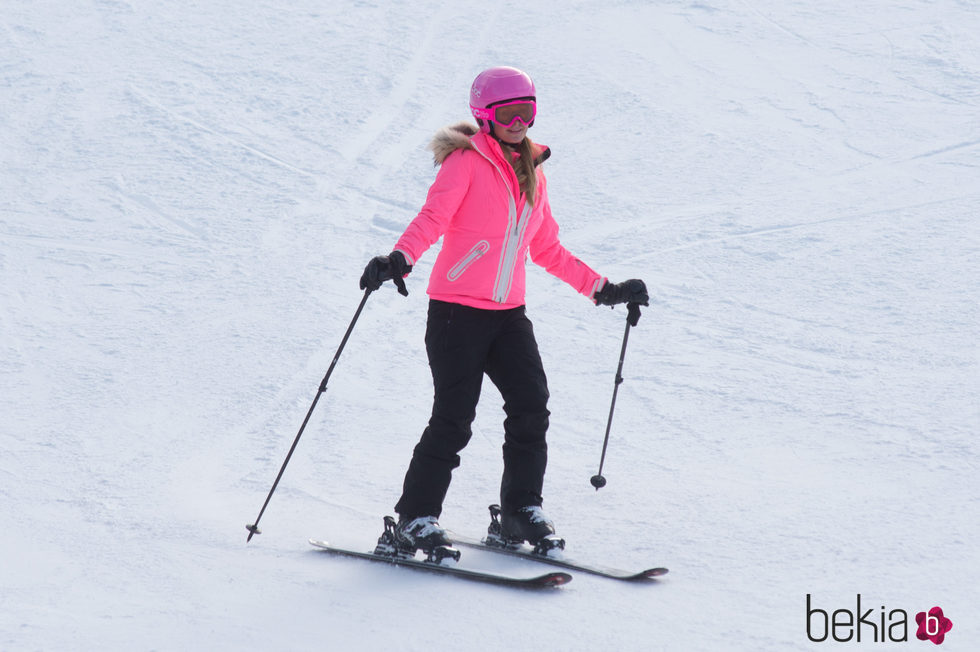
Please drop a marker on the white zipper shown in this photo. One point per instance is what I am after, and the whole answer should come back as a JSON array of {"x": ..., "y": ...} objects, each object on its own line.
[
  {"x": 505, "y": 279},
  {"x": 512, "y": 238},
  {"x": 478, "y": 251}
]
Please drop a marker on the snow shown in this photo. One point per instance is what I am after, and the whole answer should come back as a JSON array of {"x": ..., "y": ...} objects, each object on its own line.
[{"x": 189, "y": 191}]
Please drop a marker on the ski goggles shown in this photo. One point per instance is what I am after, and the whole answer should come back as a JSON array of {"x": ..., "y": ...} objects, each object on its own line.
[{"x": 507, "y": 113}]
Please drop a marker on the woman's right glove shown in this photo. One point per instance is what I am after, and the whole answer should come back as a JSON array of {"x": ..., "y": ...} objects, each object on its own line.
[
  {"x": 381, "y": 268},
  {"x": 632, "y": 292}
]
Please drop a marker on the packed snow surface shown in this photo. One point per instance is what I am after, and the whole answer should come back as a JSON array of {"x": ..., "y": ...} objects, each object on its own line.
[{"x": 190, "y": 190}]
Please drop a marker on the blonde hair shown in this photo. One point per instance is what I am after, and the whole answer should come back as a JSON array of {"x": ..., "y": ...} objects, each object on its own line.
[{"x": 525, "y": 169}]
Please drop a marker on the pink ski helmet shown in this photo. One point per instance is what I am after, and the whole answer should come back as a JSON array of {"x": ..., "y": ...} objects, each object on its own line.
[{"x": 496, "y": 85}]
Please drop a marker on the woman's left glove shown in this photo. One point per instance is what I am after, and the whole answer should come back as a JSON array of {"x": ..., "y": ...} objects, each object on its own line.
[
  {"x": 381, "y": 268},
  {"x": 632, "y": 292}
]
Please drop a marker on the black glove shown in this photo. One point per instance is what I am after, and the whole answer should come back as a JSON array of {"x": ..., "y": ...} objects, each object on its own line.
[
  {"x": 632, "y": 292},
  {"x": 381, "y": 268}
]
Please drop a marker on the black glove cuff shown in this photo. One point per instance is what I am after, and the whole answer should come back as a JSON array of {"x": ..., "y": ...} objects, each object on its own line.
[{"x": 399, "y": 266}]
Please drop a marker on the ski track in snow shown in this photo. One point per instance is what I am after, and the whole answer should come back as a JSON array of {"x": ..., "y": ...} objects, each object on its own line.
[{"x": 189, "y": 192}]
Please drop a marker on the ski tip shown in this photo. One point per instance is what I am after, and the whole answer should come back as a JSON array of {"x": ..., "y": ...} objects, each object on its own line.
[
  {"x": 654, "y": 572},
  {"x": 555, "y": 579}
]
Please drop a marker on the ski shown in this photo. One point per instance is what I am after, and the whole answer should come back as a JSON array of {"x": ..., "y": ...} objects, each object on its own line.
[
  {"x": 525, "y": 552},
  {"x": 497, "y": 543},
  {"x": 546, "y": 580}
]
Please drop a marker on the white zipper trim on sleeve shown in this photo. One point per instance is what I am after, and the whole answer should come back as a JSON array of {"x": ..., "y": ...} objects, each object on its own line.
[{"x": 512, "y": 239}]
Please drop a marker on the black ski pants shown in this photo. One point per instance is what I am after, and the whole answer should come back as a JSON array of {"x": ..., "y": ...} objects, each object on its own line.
[{"x": 463, "y": 344}]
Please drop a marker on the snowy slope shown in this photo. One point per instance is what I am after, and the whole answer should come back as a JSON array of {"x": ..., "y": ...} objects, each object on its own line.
[{"x": 188, "y": 192}]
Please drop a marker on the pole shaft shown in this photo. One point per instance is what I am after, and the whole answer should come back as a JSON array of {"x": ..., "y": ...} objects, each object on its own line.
[
  {"x": 612, "y": 406},
  {"x": 254, "y": 528}
]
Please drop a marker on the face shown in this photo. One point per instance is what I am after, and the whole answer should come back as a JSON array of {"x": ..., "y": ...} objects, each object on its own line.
[{"x": 513, "y": 134}]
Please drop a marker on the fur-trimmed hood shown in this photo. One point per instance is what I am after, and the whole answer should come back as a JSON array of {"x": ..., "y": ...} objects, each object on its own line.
[
  {"x": 457, "y": 136},
  {"x": 448, "y": 139}
]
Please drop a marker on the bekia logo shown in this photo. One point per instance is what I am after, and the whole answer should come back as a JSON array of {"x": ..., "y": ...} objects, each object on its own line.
[
  {"x": 871, "y": 625},
  {"x": 933, "y": 625}
]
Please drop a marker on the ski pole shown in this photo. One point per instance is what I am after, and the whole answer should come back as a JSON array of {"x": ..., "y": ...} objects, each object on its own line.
[
  {"x": 253, "y": 528},
  {"x": 632, "y": 317}
]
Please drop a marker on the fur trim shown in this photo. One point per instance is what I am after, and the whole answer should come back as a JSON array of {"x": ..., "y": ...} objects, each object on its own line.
[{"x": 448, "y": 139}]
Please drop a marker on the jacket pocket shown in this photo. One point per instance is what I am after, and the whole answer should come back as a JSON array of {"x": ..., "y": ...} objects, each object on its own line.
[{"x": 478, "y": 251}]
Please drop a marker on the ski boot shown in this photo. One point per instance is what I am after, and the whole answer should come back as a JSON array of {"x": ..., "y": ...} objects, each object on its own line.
[
  {"x": 404, "y": 538},
  {"x": 511, "y": 530}
]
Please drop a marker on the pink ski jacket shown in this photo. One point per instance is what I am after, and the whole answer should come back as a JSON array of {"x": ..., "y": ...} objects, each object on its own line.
[{"x": 488, "y": 229}]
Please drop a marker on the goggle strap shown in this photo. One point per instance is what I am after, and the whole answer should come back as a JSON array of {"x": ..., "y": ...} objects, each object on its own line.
[{"x": 482, "y": 114}]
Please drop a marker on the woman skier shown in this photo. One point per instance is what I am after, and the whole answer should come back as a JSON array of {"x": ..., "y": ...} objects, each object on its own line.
[{"x": 489, "y": 203}]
